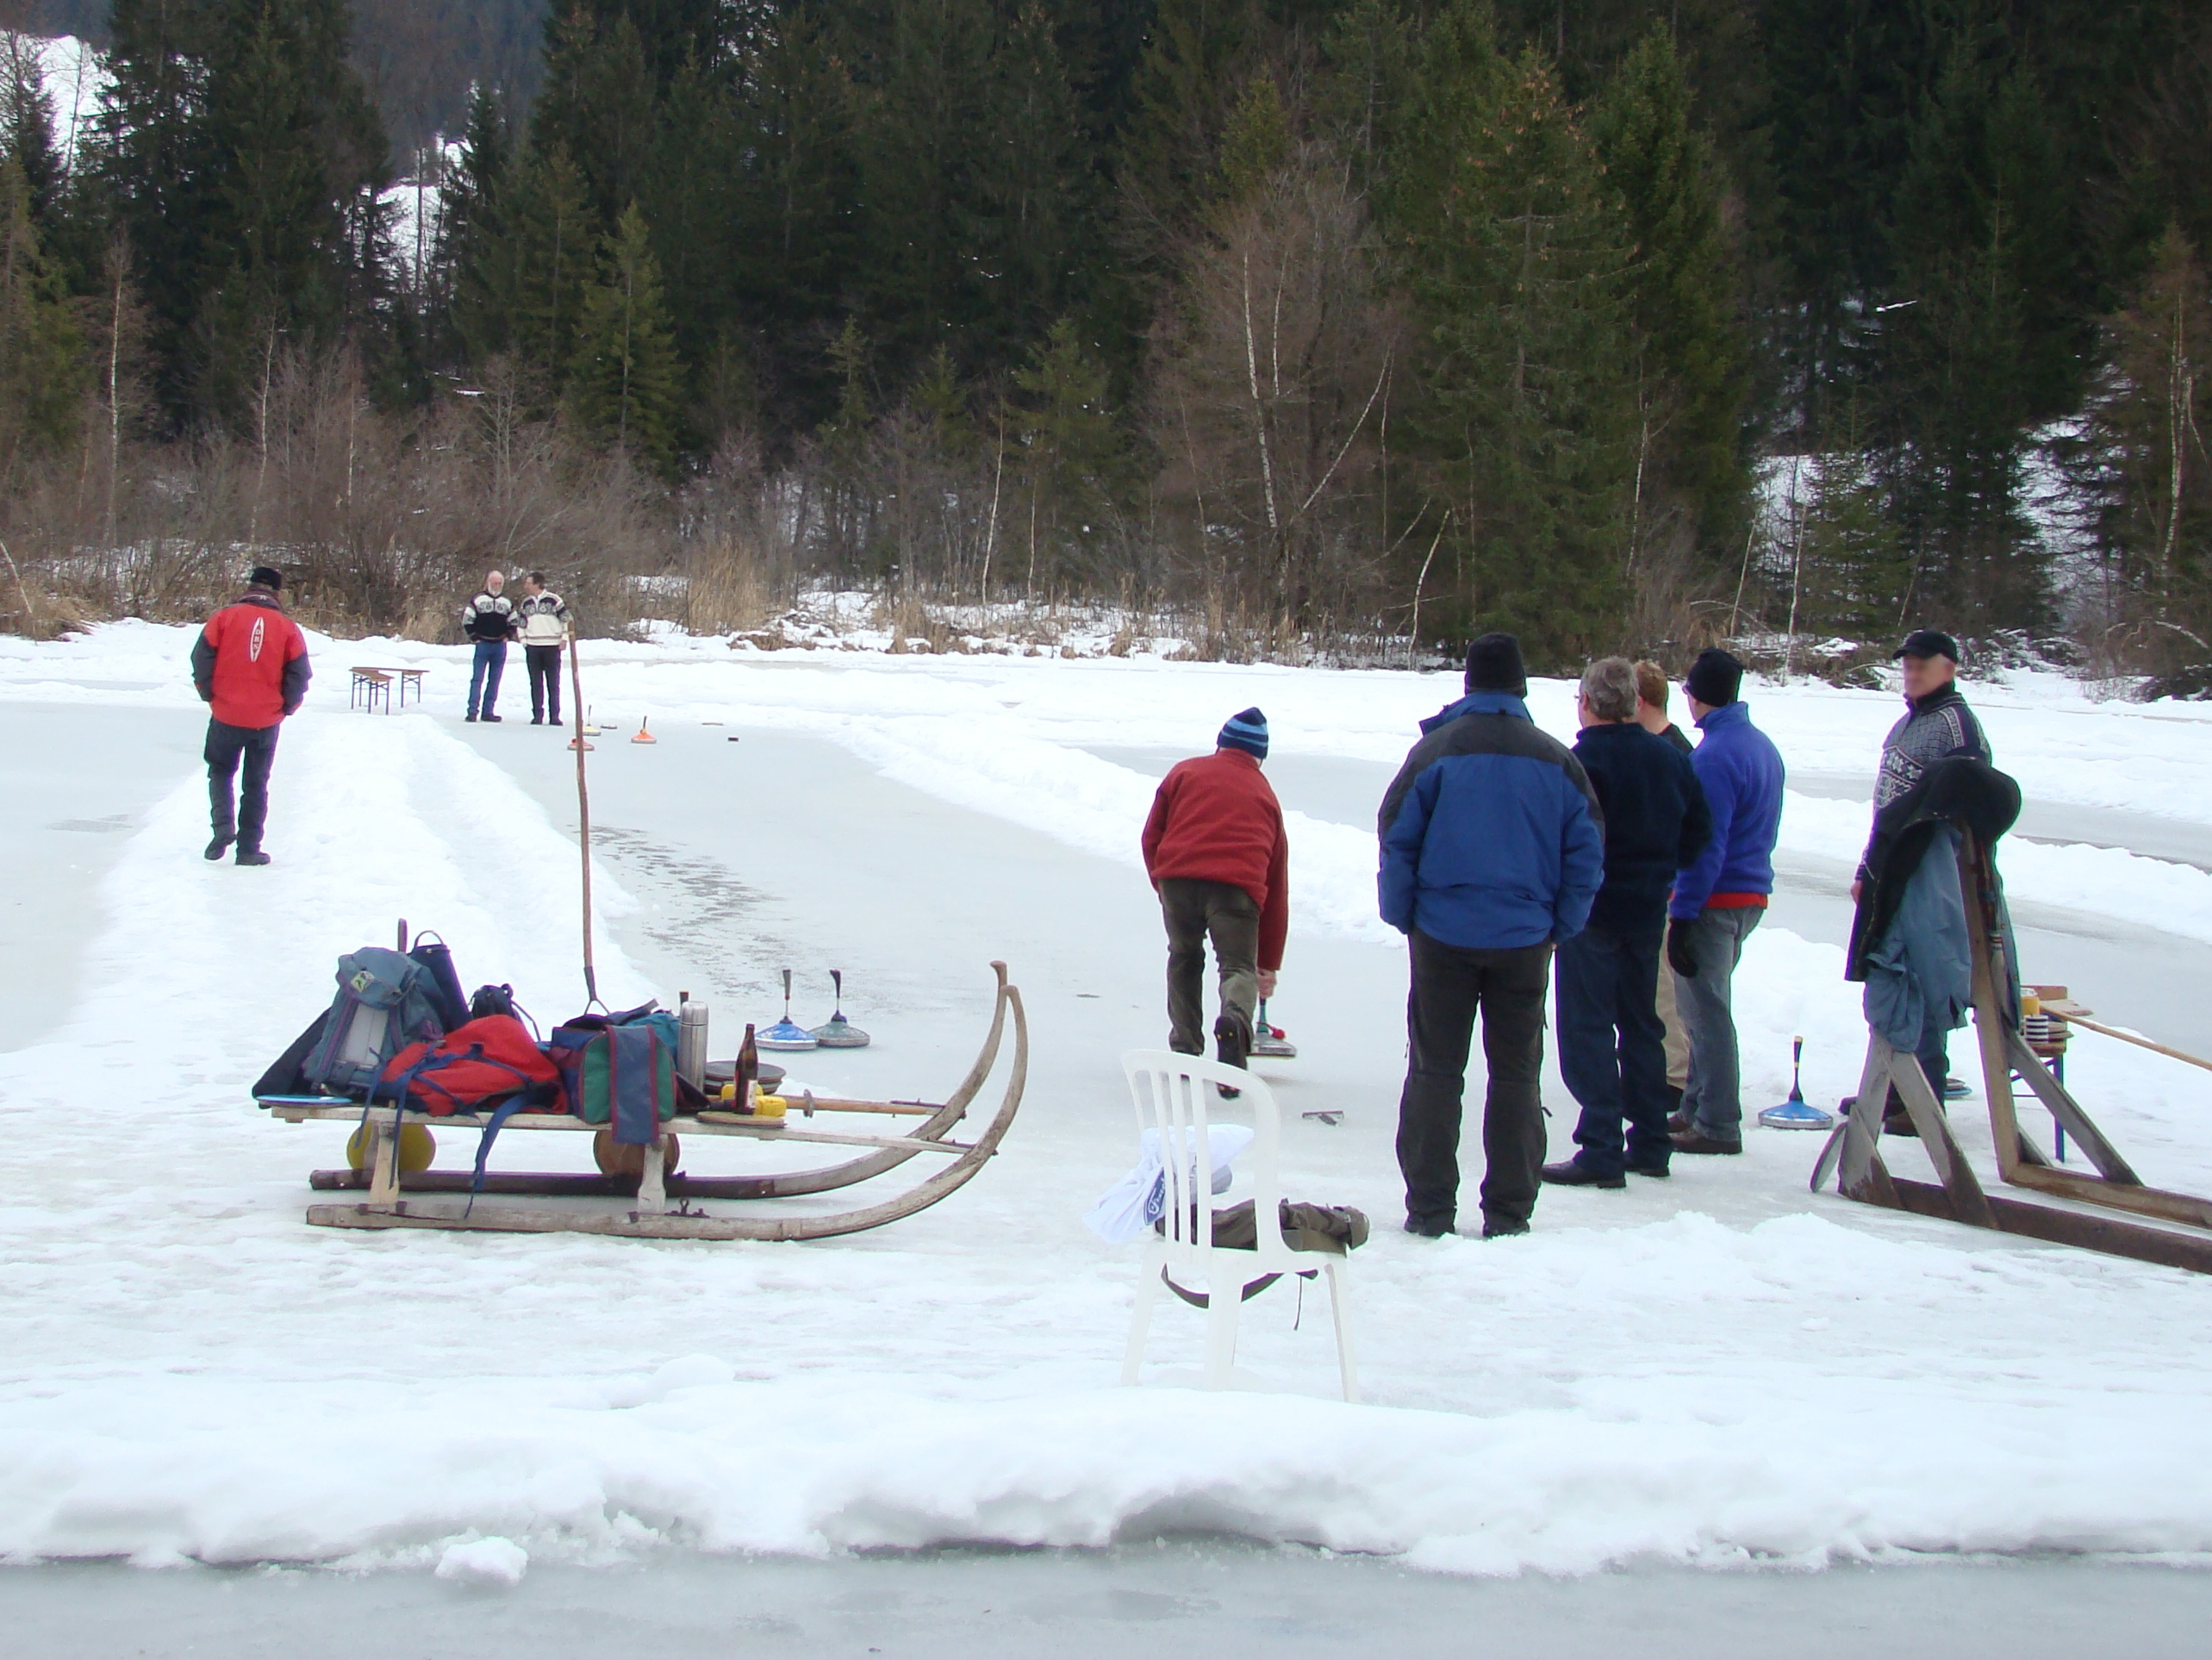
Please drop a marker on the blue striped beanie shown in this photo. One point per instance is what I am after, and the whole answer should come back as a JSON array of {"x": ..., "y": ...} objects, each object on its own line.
[{"x": 1247, "y": 732}]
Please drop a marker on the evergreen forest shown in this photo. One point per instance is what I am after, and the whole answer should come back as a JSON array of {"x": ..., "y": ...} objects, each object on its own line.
[{"x": 1312, "y": 328}]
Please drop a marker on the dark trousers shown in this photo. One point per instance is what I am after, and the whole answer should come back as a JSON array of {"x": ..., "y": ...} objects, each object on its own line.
[
  {"x": 544, "y": 663},
  {"x": 1612, "y": 1046},
  {"x": 1194, "y": 912},
  {"x": 249, "y": 816},
  {"x": 1450, "y": 985},
  {"x": 484, "y": 677}
]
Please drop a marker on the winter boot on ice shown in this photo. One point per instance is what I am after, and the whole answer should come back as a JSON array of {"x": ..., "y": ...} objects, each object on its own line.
[
  {"x": 1232, "y": 1046},
  {"x": 218, "y": 847},
  {"x": 252, "y": 856}
]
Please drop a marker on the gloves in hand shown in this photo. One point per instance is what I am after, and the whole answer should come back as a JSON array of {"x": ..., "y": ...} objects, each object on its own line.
[{"x": 1678, "y": 950}]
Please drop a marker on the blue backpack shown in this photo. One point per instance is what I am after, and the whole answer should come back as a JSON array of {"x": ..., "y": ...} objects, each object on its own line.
[{"x": 385, "y": 1001}]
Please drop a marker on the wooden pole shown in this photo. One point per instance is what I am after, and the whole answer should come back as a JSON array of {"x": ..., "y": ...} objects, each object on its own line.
[
  {"x": 2130, "y": 1037},
  {"x": 582, "y": 817}
]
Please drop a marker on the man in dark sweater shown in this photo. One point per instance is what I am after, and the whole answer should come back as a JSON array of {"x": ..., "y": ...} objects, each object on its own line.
[
  {"x": 1611, "y": 1041},
  {"x": 1215, "y": 849},
  {"x": 1492, "y": 851}
]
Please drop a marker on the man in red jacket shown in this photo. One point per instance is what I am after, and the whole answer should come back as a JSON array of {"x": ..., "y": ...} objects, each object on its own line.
[
  {"x": 250, "y": 665},
  {"x": 1215, "y": 850}
]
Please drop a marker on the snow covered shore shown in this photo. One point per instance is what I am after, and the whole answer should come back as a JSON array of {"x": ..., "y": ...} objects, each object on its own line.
[{"x": 1721, "y": 1369}]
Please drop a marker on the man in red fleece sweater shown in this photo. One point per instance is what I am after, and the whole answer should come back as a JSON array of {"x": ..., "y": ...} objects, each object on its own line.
[
  {"x": 250, "y": 666},
  {"x": 1215, "y": 850}
]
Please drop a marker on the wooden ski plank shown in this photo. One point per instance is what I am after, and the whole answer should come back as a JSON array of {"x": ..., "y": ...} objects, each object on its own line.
[
  {"x": 2033, "y": 1221},
  {"x": 2117, "y": 1196}
]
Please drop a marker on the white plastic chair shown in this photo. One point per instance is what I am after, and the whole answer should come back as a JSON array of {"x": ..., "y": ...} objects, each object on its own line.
[{"x": 1174, "y": 1094}]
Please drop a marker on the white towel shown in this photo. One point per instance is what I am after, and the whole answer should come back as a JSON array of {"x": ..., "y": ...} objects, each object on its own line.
[{"x": 1134, "y": 1203}]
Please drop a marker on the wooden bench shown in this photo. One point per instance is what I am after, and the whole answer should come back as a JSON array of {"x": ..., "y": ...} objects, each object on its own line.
[{"x": 372, "y": 683}]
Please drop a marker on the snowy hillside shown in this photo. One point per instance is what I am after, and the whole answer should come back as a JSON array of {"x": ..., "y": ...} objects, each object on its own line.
[{"x": 1719, "y": 1368}]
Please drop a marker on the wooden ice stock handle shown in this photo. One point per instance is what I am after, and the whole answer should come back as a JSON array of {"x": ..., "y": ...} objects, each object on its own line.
[{"x": 2130, "y": 1037}]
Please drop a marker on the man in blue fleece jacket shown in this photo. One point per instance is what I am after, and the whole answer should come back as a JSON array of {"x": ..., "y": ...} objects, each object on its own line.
[
  {"x": 1492, "y": 848},
  {"x": 1719, "y": 898}
]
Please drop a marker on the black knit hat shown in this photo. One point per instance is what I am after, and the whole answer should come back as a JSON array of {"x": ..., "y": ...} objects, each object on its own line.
[
  {"x": 268, "y": 577},
  {"x": 1494, "y": 664},
  {"x": 1716, "y": 677}
]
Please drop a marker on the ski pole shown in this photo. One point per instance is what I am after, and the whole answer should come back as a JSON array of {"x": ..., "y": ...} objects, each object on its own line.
[{"x": 582, "y": 817}]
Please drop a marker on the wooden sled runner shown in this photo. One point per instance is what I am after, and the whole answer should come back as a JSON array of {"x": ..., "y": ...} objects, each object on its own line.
[
  {"x": 661, "y": 1205},
  {"x": 1958, "y": 1195}
]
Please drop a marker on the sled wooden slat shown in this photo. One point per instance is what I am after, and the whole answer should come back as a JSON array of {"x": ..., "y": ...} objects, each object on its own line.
[{"x": 663, "y": 1208}]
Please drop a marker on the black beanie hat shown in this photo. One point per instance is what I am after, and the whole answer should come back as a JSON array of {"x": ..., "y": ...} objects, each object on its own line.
[
  {"x": 1716, "y": 677},
  {"x": 1494, "y": 664},
  {"x": 266, "y": 577}
]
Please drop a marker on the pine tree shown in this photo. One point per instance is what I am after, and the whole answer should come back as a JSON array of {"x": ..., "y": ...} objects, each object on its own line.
[
  {"x": 625, "y": 384},
  {"x": 245, "y": 162},
  {"x": 1851, "y": 576},
  {"x": 42, "y": 366},
  {"x": 472, "y": 205},
  {"x": 1254, "y": 141},
  {"x": 1073, "y": 460},
  {"x": 793, "y": 236},
  {"x": 598, "y": 105},
  {"x": 2150, "y": 468},
  {"x": 1981, "y": 354},
  {"x": 924, "y": 211},
  {"x": 1513, "y": 251},
  {"x": 1682, "y": 291},
  {"x": 1181, "y": 91},
  {"x": 27, "y": 127},
  {"x": 159, "y": 157},
  {"x": 672, "y": 33},
  {"x": 544, "y": 261},
  {"x": 1034, "y": 192}
]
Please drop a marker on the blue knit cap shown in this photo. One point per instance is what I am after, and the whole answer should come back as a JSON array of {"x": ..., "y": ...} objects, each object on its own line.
[{"x": 1247, "y": 732}]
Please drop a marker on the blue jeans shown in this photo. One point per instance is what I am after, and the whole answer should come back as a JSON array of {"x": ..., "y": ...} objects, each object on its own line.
[
  {"x": 1713, "y": 1096},
  {"x": 484, "y": 678},
  {"x": 1612, "y": 1047}
]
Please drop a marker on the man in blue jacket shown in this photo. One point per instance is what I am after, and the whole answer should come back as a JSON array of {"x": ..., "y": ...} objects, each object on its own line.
[
  {"x": 1492, "y": 848},
  {"x": 1719, "y": 898}
]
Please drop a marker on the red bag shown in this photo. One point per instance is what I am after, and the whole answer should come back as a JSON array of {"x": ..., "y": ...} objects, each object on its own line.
[{"x": 483, "y": 1061}]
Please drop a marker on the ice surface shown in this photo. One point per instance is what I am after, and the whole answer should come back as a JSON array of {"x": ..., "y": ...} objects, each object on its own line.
[{"x": 1717, "y": 1370}]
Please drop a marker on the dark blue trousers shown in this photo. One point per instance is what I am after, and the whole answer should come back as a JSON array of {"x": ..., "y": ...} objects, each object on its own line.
[
  {"x": 484, "y": 677},
  {"x": 1612, "y": 1046}
]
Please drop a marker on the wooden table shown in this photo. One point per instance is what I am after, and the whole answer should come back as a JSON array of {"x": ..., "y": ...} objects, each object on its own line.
[{"x": 372, "y": 683}]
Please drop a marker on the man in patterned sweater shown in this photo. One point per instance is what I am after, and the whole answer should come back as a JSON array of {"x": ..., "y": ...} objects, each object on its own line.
[{"x": 1936, "y": 724}]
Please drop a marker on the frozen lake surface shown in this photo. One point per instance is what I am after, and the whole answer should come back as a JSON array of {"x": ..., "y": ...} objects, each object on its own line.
[
  {"x": 1721, "y": 1370},
  {"x": 1198, "y": 1596}
]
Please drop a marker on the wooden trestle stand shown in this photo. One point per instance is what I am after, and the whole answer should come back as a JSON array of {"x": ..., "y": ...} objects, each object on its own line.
[{"x": 2185, "y": 1242}]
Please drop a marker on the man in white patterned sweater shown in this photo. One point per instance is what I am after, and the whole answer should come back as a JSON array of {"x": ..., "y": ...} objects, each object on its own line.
[{"x": 543, "y": 617}]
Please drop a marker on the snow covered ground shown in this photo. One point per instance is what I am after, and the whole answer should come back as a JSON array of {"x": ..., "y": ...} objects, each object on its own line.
[{"x": 1718, "y": 1370}]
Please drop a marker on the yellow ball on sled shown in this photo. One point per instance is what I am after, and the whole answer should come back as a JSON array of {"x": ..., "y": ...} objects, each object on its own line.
[{"x": 417, "y": 1148}]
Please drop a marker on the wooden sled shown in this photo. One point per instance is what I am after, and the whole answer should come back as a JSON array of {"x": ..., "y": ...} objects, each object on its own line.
[
  {"x": 1958, "y": 1195},
  {"x": 661, "y": 1207}
]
